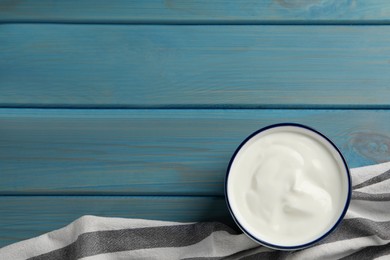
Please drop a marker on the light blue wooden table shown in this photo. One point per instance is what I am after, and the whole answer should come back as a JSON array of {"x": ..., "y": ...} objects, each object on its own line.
[{"x": 133, "y": 108}]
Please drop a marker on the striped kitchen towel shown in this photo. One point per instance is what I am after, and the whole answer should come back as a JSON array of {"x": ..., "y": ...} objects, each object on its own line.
[{"x": 363, "y": 234}]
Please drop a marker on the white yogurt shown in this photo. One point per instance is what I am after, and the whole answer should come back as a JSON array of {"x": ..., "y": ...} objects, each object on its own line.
[{"x": 287, "y": 186}]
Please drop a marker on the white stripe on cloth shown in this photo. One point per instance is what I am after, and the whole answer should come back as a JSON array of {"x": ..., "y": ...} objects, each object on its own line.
[
  {"x": 365, "y": 173},
  {"x": 374, "y": 210},
  {"x": 377, "y": 188},
  {"x": 384, "y": 257},
  {"x": 62, "y": 237},
  {"x": 218, "y": 244}
]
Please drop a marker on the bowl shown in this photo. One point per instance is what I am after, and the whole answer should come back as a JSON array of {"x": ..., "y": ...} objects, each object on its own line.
[{"x": 287, "y": 186}]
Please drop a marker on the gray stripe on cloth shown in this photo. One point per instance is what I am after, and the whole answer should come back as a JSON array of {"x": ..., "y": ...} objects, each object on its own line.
[
  {"x": 238, "y": 255},
  {"x": 204, "y": 258},
  {"x": 370, "y": 252},
  {"x": 274, "y": 255},
  {"x": 358, "y": 227},
  {"x": 101, "y": 242},
  {"x": 357, "y": 195},
  {"x": 379, "y": 178}
]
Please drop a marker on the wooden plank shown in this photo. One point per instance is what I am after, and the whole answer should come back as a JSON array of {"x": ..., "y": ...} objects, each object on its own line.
[
  {"x": 25, "y": 217},
  {"x": 194, "y": 66},
  {"x": 160, "y": 152},
  {"x": 196, "y": 11}
]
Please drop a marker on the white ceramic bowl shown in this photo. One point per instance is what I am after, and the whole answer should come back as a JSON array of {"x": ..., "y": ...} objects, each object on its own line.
[{"x": 234, "y": 173}]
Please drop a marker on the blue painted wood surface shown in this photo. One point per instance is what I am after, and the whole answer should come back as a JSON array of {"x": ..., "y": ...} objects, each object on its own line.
[
  {"x": 46, "y": 65},
  {"x": 159, "y": 152},
  {"x": 196, "y": 11},
  {"x": 227, "y": 67}
]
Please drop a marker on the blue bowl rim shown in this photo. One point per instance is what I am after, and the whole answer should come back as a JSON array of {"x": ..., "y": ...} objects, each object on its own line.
[{"x": 274, "y": 246}]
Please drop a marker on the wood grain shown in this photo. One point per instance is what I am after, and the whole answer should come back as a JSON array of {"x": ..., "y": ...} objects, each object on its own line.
[
  {"x": 25, "y": 217},
  {"x": 157, "y": 152},
  {"x": 197, "y": 11},
  {"x": 120, "y": 66}
]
